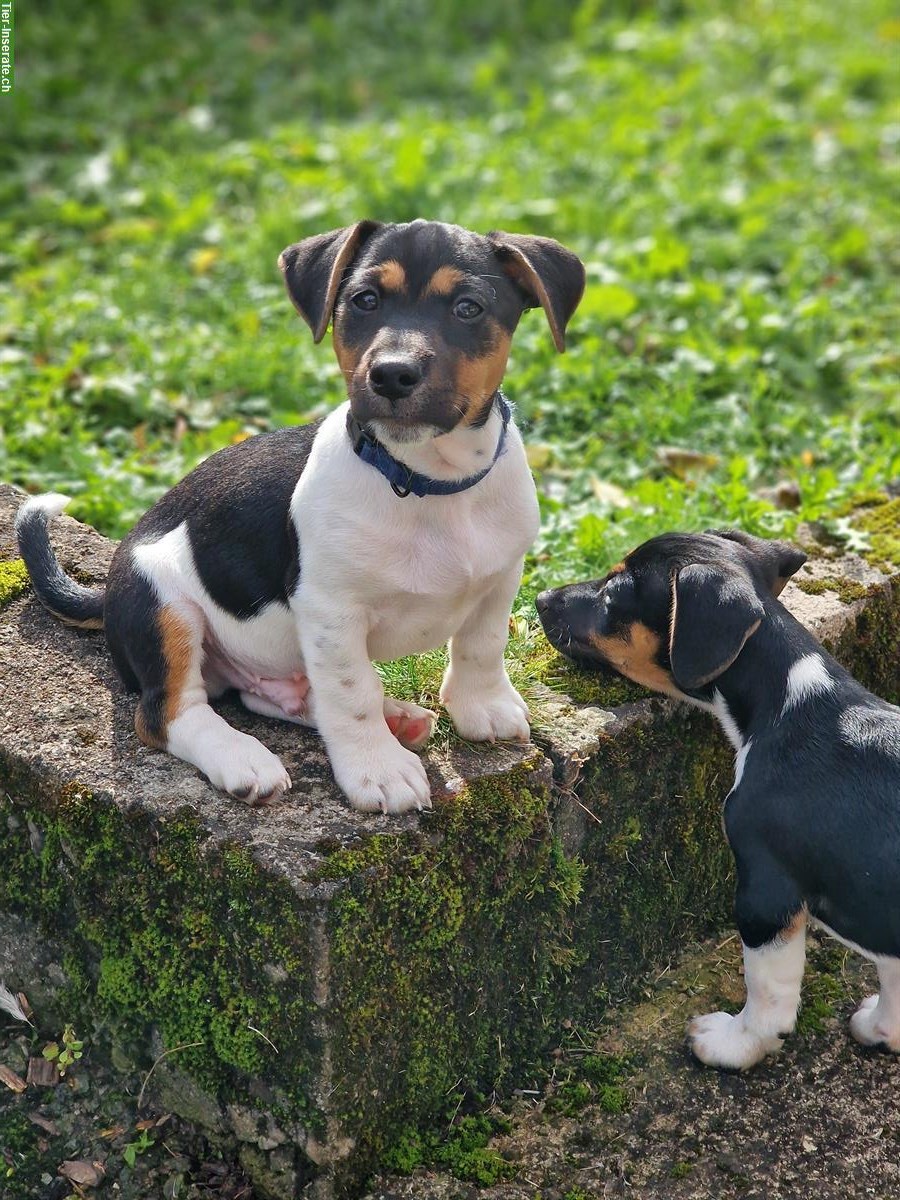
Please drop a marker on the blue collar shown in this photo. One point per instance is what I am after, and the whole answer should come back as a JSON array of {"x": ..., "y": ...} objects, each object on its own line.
[{"x": 402, "y": 478}]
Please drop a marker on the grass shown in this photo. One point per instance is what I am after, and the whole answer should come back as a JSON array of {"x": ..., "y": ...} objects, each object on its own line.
[{"x": 728, "y": 172}]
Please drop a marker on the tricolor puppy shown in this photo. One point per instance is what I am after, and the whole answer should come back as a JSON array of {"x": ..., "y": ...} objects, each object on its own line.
[
  {"x": 813, "y": 817},
  {"x": 282, "y": 566}
]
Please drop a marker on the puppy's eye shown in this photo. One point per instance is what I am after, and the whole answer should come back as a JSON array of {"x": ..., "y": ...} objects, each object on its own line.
[
  {"x": 467, "y": 309},
  {"x": 366, "y": 301}
]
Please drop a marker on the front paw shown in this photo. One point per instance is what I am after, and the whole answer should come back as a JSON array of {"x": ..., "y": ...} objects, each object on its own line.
[
  {"x": 382, "y": 778},
  {"x": 721, "y": 1040},
  {"x": 487, "y": 714}
]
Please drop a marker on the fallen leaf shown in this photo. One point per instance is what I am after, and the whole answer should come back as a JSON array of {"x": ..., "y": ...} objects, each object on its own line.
[
  {"x": 609, "y": 493},
  {"x": 14, "y": 1082},
  {"x": 113, "y": 1132},
  {"x": 680, "y": 460},
  {"x": 44, "y": 1123},
  {"x": 82, "y": 1172},
  {"x": 42, "y": 1073},
  {"x": 785, "y": 494}
]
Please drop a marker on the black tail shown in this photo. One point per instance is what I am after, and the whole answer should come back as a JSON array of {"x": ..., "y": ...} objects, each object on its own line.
[{"x": 66, "y": 599}]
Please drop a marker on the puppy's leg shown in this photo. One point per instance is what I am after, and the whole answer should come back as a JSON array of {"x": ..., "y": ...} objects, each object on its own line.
[
  {"x": 476, "y": 691},
  {"x": 174, "y": 715},
  {"x": 771, "y": 920},
  {"x": 772, "y": 974},
  {"x": 877, "y": 1020},
  {"x": 371, "y": 767}
]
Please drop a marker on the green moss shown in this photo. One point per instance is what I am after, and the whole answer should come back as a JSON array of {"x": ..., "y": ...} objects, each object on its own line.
[
  {"x": 870, "y": 646},
  {"x": 847, "y": 590},
  {"x": 681, "y": 1169},
  {"x": 881, "y": 521},
  {"x": 603, "y": 689},
  {"x": 425, "y": 938},
  {"x": 660, "y": 871},
  {"x": 463, "y": 1151},
  {"x": 13, "y": 580},
  {"x": 22, "y": 1160},
  {"x": 180, "y": 935}
]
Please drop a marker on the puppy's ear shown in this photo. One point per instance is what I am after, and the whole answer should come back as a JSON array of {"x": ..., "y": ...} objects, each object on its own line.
[
  {"x": 313, "y": 268},
  {"x": 550, "y": 276},
  {"x": 778, "y": 561},
  {"x": 713, "y": 614}
]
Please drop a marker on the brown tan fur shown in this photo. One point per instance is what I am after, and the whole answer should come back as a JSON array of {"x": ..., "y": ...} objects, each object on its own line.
[
  {"x": 636, "y": 657},
  {"x": 392, "y": 276},
  {"x": 477, "y": 379},
  {"x": 178, "y": 649},
  {"x": 442, "y": 282}
]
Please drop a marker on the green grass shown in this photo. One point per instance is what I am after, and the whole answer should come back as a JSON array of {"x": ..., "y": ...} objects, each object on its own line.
[{"x": 729, "y": 173}]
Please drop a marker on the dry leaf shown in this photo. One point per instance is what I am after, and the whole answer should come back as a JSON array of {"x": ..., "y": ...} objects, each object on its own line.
[
  {"x": 14, "y": 1082},
  {"x": 82, "y": 1172},
  {"x": 783, "y": 495},
  {"x": 42, "y": 1073},
  {"x": 680, "y": 460},
  {"x": 44, "y": 1123},
  {"x": 609, "y": 493},
  {"x": 113, "y": 1132}
]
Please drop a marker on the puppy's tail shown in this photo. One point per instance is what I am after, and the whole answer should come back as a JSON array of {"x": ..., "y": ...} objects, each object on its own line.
[{"x": 66, "y": 599}]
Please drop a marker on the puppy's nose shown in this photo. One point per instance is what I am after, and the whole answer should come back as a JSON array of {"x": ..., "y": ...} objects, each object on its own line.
[
  {"x": 543, "y": 602},
  {"x": 394, "y": 378}
]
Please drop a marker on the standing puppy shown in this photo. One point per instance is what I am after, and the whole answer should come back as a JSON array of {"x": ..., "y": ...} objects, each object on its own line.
[
  {"x": 282, "y": 566},
  {"x": 813, "y": 817}
]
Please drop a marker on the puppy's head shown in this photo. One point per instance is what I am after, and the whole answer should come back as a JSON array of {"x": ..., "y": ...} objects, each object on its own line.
[
  {"x": 676, "y": 612},
  {"x": 424, "y": 314}
]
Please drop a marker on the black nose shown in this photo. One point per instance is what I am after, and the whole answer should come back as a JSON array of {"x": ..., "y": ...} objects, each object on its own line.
[
  {"x": 394, "y": 378},
  {"x": 543, "y": 601}
]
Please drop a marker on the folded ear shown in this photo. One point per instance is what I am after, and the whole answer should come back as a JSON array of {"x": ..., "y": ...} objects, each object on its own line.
[
  {"x": 778, "y": 561},
  {"x": 550, "y": 276},
  {"x": 313, "y": 268},
  {"x": 713, "y": 614}
]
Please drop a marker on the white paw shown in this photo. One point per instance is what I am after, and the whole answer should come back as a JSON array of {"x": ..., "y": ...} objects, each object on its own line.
[
  {"x": 410, "y": 724},
  {"x": 487, "y": 715},
  {"x": 386, "y": 778},
  {"x": 869, "y": 1027},
  {"x": 248, "y": 771},
  {"x": 721, "y": 1040}
]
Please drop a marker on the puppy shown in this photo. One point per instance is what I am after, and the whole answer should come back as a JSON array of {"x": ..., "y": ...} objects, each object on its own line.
[
  {"x": 282, "y": 566},
  {"x": 813, "y": 817}
]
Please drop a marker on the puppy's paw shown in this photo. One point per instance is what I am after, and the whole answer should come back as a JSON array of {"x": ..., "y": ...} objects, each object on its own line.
[
  {"x": 250, "y": 772},
  {"x": 487, "y": 715},
  {"x": 411, "y": 725},
  {"x": 721, "y": 1040},
  {"x": 870, "y": 1027},
  {"x": 388, "y": 779}
]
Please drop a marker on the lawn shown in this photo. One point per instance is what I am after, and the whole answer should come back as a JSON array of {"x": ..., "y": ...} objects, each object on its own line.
[{"x": 728, "y": 172}]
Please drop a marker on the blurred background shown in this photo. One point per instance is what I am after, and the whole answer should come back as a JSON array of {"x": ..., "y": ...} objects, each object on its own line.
[{"x": 729, "y": 173}]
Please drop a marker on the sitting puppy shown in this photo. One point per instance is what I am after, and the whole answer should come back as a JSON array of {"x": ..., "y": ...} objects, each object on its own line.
[
  {"x": 813, "y": 818},
  {"x": 282, "y": 566}
]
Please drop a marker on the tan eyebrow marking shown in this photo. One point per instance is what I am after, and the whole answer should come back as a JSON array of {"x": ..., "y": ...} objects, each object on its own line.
[
  {"x": 392, "y": 276},
  {"x": 443, "y": 281}
]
